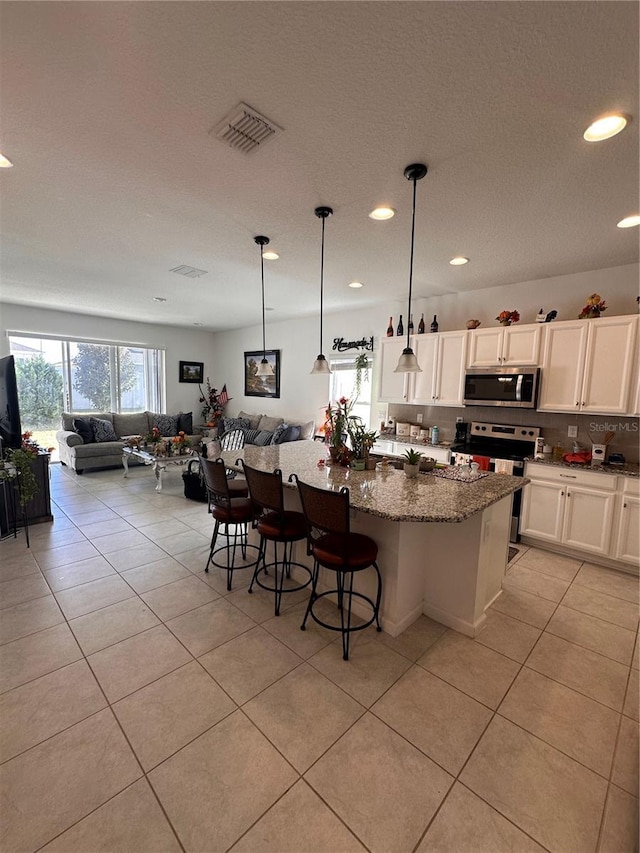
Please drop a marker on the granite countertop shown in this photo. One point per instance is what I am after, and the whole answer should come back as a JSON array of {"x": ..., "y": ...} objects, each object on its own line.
[
  {"x": 630, "y": 469},
  {"x": 406, "y": 439},
  {"x": 388, "y": 494}
]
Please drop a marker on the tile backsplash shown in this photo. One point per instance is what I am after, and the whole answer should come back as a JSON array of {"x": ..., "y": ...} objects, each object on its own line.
[{"x": 552, "y": 424}]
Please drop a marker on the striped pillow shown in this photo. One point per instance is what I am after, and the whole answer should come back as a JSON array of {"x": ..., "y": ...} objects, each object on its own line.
[
  {"x": 263, "y": 438},
  {"x": 250, "y": 435}
]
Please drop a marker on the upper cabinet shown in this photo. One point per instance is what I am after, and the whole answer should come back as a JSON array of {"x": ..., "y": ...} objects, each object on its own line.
[
  {"x": 504, "y": 346},
  {"x": 587, "y": 366},
  {"x": 442, "y": 359},
  {"x": 393, "y": 386}
]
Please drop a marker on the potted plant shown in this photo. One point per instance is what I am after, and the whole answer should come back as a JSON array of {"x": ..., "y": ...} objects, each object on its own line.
[
  {"x": 412, "y": 462},
  {"x": 336, "y": 430},
  {"x": 361, "y": 440}
]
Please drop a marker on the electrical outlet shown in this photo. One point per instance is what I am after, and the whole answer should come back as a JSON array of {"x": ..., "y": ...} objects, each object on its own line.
[
  {"x": 572, "y": 432},
  {"x": 458, "y": 420},
  {"x": 419, "y": 418}
]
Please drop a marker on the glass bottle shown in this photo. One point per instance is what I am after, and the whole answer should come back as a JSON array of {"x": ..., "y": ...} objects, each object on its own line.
[
  {"x": 400, "y": 329},
  {"x": 434, "y": 325},
  {"x": 410, "y": 327},
  {"x": 421, "y": 325},
  {"x": 390, "y": 328}
]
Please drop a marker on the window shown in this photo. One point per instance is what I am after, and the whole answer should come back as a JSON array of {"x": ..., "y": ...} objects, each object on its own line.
[
  {"x": 343, "y": 384},
  {"x": 83, "y": 376}
]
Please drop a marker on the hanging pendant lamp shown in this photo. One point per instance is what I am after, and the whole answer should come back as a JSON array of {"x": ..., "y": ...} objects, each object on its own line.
[
  {"x": 321, "y": 365},
  {"x": 408, "y": 363},
  {"x": 264, "y": 368}
]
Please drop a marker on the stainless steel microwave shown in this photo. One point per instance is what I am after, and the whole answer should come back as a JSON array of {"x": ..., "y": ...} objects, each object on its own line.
[{"x": 513, "y": 387}]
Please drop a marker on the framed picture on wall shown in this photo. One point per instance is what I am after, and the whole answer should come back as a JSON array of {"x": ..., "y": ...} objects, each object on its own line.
[
  {"x": 191, "y": 371},
  {"x": 261, "y": 386}
]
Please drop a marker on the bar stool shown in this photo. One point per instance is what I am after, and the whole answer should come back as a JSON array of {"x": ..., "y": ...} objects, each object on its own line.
[
  {"x": 227, "y": 510},
  {"x": 274, "y": 524},
  {"x": 334, "y": 547}
]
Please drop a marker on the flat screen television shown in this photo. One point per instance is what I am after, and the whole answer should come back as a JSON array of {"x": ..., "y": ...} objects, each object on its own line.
[{"x": 10, "y": 430}]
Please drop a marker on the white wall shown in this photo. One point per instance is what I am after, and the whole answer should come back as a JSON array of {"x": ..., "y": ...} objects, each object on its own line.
[
  {"x": 180, "y": 344},
  {"x": 303, "y": 397}
]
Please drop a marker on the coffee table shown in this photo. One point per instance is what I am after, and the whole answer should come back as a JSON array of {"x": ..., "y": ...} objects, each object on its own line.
[{"x": 159, "y": 463}]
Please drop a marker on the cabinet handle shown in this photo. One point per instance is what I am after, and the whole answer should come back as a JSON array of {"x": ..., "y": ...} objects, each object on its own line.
[
  {"x": 577, "y": 404},
  {"x": 583, "y": 403},
  {"x": 570, "y": 476},
  {"x": 568, "y": 494},
  {"x": 624, "y": 506},
  {"x": 561, "y": 494}
]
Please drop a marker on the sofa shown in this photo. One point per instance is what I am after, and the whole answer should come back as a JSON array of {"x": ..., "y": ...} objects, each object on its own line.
[
  {"x": 83, "y": 444},
  {"x": 263, "y": 430}
]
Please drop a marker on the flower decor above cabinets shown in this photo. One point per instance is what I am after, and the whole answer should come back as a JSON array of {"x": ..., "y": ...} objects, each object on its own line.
[
  {"x": 506, "y": 318},
  {"x": 594, "y": 307}
]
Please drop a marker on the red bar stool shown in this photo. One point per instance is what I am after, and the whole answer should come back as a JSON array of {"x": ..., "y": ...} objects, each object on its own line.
[
  {"x": 334, "y": 547},
  {"x": 229, "y": 511},
  {"x": 274, "y": 524}
]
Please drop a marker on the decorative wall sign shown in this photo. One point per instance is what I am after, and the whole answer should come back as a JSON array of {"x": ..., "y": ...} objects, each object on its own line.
[
  {"x": 261, "y": 386},
  {"x": 191, "y": 371},
  {"x": 341, "y": 345}
]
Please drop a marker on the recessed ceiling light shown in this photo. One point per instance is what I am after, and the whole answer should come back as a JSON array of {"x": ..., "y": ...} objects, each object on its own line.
[
  {"x": 198, "y": 324},
  {"x": 5, "y": 163},
  {"x": 381, "y": 213},
  {"x": 605, "y": 128},
  {"x": 269, "y": 309},
  {"x": 355, "y": 284},
  {"x": 270, "y": 256},
  {"x": 159, "y": 299},
  {"x": 459, "y": 261},
  {"x": 629, "y": 221}
]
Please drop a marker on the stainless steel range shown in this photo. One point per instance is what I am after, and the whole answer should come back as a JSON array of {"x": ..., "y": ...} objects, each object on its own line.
[{"x": 501, "y": 448}]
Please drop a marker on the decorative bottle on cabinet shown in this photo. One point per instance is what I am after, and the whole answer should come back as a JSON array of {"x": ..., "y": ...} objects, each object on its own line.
[
  {"x": 390, "y": 328},
  {"x": 421, "y": 325},
  {"x": 434, "y": 325},
  {"x": 400, "y": 329},
  {"x": 410, "y": 327}
]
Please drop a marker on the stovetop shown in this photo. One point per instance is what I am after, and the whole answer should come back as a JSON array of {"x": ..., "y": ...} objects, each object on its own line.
[{"x": 500, "y": 441}]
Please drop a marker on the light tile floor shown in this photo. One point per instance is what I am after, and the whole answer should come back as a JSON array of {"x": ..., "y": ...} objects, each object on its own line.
[{"x": 144, "y": 708}]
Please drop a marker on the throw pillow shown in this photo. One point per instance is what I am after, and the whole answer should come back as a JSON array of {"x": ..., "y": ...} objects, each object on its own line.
[
  {"x": 254, "y": 420},
  {"x": 263, "y": 438},
  {"x": 292, "y": 433},
  {"x": 308, "y": 429},
  {"x": 185, "y": 422},
  {"x": 102, "y": 430},
  {"x": 269, "y": 423},
  {"x": 250, "y": 436},
  {"x": 167, "y": 424},
  {"x": 83, "y": 427},
  {"x": 278, "y": 432},
  {"x": 233, "y": 423}
]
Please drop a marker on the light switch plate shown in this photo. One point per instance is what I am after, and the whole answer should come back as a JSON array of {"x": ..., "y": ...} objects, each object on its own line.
[
  {"x": 419, "y": 418},
  {"x": 572, "y": 431}
]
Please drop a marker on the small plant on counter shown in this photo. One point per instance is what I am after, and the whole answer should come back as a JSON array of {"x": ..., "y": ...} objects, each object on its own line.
[{"x": 412, "y": 457}]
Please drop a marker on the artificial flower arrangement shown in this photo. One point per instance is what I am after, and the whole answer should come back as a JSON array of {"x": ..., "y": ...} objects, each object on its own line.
[
  {"x": 180, "y": 444},
  {"x": 341, "y": 426},
  {"x": 17, "y": 465},
  {"x": 508, "y": 317},
  {"x": 152, "y": 437},
  {"x": 213, "y": 404},
  {"x": 594, "y": 307}
]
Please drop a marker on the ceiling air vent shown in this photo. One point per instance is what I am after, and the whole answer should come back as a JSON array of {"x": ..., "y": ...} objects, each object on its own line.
[
  {"x": 189, "y": 272},
  {"x": 245, "y": 129}
]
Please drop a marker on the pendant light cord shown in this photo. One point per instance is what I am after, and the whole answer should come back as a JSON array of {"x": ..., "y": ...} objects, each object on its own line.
[
  {"x": 321, "y": 282},
  {"x": 413, "y": 231},
  {"x": 264, "y": 345}
]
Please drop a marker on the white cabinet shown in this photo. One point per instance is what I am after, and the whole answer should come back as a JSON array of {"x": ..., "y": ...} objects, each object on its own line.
[
  {"x": 442, "y": 359},
  {"x": 627, "y": 547},
  {"x": 393, "y": 386},
  {"x": 587, "y": 365},
  {"x": 569, "y": 507},
  {"x": 505, "y": 346}
]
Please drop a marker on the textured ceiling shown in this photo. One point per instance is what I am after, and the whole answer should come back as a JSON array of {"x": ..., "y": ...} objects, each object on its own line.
[{"x": 106, "y": 110}]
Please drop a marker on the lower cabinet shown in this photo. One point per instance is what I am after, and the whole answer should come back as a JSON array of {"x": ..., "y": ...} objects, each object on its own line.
[{"x": 580, "y": 510}]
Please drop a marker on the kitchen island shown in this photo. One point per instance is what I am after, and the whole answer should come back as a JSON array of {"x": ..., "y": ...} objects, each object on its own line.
[{"x": 443, "y": 545}]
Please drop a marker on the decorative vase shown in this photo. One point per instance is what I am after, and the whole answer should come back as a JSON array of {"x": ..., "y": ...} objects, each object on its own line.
[
  {"x": 411, "y": 471},
  {"x": 358, "y": 464},
  {"x": 505, "y": 322},
  {"x": 334, "y": 453}
]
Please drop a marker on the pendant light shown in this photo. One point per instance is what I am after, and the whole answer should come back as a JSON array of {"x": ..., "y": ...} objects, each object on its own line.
[
  {"x": 264, "y": 368},
  {"x": 408, "y": 363},
  {"x": 321, "y": 365}
]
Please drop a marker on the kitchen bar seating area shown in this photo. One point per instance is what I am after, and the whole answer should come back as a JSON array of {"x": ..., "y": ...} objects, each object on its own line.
[{"x": 137, "y": 691}]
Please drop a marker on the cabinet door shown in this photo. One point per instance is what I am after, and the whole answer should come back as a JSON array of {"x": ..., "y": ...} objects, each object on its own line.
[
  {"x": 485, "y": 347},
  {"x": 588, "y": 519},
  {"x": 422, "y": 385},
  {"x": 543, "y": 510},
  {"x": 393, "y": 386},
  {"x": 564, "y": 351},
  {"x": 521, "y": 345},
  {"x": 628, "y": 539},
  {"x": 609, "y": 365},
  {"x": 449, "y": 384}
]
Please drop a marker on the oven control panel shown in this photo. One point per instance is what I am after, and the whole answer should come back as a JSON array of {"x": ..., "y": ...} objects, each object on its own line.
[{"x": 507, "y": 432}]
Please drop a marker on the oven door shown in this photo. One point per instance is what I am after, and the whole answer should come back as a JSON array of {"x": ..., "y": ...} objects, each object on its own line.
[{"x": 512, "y": 387}]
